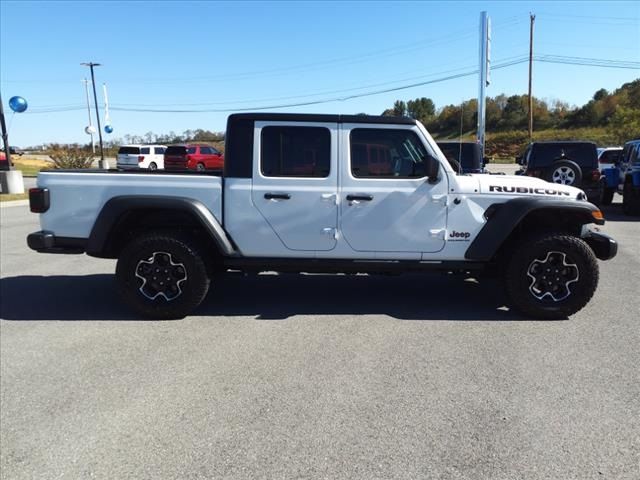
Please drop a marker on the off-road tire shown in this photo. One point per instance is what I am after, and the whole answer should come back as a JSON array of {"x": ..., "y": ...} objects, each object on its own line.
[
  {"x": 565, "y": 172},
  {"x": 570, "y": 264},
  {"x": 631, "y": 199},
  {"x": 184, "y": 275}
]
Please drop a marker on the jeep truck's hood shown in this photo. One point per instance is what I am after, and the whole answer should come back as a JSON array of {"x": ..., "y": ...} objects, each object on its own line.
[{"x": 513, "y": 185}]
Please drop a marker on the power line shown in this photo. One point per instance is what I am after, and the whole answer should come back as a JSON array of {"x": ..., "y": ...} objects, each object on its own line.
[{"x": 566, "y": 60}]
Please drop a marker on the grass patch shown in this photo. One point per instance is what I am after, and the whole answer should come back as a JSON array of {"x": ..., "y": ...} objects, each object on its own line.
[
  {"x": 7, "y": 197},
  {"x": 30, "y": 166}
]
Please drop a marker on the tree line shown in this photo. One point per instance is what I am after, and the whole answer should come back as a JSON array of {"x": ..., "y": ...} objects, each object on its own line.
[{"x": 618, "y": 111}]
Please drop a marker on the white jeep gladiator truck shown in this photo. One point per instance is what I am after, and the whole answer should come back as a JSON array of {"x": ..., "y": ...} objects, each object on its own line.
[{"x": 324, "y": 193}]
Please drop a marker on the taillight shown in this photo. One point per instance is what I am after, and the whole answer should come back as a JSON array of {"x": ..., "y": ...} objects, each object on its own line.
[
  {"x": 595, "y": 175},
  {"x": 39, "y": 200},
  {"x": 140, "y": 158}
]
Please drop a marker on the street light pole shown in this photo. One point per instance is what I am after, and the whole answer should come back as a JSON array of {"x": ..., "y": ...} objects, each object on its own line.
[{"x": 103, "y": 163}]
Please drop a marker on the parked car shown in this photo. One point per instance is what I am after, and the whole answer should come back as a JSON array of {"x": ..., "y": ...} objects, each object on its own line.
[
  {"x": 464, "y": 157},
  {"x": 193, "y": 157},
  {"x": 568, "y": 163},
  {"x": 15, "y": 151},
  {"x": 624, "y": 178},
  {"x": 608, "y": 157},
  {"x": 150, "y": 157}
]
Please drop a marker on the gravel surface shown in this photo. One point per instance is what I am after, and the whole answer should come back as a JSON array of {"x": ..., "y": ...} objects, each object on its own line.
[{"x": 315, "y": 376}]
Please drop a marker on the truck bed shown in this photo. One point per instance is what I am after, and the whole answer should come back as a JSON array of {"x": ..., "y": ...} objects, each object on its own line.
[{"x": 77, "y": 196}]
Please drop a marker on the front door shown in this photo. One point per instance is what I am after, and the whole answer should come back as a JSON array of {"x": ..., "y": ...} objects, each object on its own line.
[
  {"x": 387, "y": 204},
  {"x": 295, "y": 182}
]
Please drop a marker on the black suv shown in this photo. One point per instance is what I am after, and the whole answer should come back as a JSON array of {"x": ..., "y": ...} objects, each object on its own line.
[
  {"x": 464, "y": 157},
  {"x": 569, "y": 163}
]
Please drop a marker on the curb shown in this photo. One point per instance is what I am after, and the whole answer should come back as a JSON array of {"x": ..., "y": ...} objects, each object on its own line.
[{"x": 14, "y": 203}]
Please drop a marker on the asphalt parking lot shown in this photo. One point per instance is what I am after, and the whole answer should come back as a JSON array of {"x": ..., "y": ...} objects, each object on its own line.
[{"x": 314, "y": 376}]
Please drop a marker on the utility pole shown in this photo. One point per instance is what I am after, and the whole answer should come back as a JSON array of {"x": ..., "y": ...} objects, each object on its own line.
[
  {"x": 484, "y": 70},
  {"x": 102, "y": 163},
  {"x": 5, "y": 138},
  {"x": 532, "y": 19}
]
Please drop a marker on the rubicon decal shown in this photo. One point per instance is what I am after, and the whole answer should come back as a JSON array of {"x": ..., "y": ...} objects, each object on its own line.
[
  {"x": 459, "y": 236},
  {"x": 536, "y": 191}
]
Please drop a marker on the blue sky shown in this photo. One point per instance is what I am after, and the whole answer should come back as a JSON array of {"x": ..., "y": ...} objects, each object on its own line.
[{"x": 227, "y": 56}]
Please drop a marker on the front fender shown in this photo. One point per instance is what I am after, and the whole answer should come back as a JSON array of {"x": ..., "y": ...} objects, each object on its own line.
[{"x": 502, "y": 219}]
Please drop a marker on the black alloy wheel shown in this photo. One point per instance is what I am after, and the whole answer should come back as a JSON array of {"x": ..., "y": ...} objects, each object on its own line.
[
  {"x": 162, "y": 275},
  {"x": 552, "y": 276}
]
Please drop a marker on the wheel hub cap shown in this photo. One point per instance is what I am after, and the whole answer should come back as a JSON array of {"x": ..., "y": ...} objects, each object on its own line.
[
  {"x": 161, "y": 276},
  {"x": 552, "y": 276},
  {"x": 564, "y": 175}
]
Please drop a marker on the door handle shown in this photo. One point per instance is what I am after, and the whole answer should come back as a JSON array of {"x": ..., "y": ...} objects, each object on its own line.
[
  {"x": 277, "y": 196},
  {"x": 364, "y": 198}
]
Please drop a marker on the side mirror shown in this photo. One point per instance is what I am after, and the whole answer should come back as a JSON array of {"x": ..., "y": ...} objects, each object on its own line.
[{"x": 432, "y": 166}]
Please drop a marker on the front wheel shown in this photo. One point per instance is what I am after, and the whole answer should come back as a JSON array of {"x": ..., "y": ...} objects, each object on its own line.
[
  {"x": 552, "y": 276},
  {"x": 162, "y": 276}
]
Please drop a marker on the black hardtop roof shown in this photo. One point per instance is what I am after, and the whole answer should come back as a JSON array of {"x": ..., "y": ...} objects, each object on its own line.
[
  {"x": 564, "y": 142},
  {"x": 314, "y": 117}
]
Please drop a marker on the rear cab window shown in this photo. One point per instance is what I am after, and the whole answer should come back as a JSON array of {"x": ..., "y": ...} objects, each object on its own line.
[
  {"x": 175, "y": 150},
  {"x": 129, "y": 151}
]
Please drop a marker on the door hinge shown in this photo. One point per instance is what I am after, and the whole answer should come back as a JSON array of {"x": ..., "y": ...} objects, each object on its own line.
[
  {"x": 330, "y": 197},
  {"x": 440, "y": 198},
  {"x": 330, "y": 231}
]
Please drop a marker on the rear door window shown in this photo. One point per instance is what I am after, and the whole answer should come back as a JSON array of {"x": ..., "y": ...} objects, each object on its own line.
[
  {"x": 191, "y": 150},
  {"x": 295, "y": 152},
  {"x": 159, "y": 150},
  {"x": 145, "y": 151}
]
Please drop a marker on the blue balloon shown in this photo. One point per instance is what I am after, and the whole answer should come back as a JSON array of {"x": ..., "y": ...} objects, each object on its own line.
[
  {"x": 108, "y": 128},
  {"x": 18, "y": 104}
]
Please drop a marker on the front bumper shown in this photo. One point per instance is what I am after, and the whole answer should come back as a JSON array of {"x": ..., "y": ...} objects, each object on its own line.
[
  {"x": 604, "y": 247},
  {"x": 47, "y": 242}
]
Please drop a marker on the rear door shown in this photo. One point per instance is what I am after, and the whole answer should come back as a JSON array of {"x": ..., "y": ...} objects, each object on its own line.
[{"x": 295, "y": 182}]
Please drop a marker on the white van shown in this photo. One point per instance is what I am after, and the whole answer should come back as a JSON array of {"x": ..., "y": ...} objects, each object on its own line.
[{"x": 150, "y": 157}]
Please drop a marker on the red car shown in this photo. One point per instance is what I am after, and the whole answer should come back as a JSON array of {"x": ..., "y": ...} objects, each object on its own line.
[{"x": 193, "y": 157}]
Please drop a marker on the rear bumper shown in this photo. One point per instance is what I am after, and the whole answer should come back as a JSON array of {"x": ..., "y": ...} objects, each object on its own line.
[
  {"x": 604, "y": 247},
  {"x": 47, "y": 242}
]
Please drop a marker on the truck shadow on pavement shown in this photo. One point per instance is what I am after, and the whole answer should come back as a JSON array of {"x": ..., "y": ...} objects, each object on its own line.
[{"x": 268, "y": 297}]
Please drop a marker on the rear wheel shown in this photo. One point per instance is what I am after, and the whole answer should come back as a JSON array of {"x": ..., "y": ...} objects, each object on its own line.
[
  {"x": 162, "y": 276},
  {"x": 565, "y": 172},
  {"x": 552, "y": 276},
  {"x": 153, "y": 166},
  {"x": 200, "y": 167}
]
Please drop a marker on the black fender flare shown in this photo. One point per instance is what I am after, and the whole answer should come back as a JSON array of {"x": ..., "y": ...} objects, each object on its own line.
[
  {"x": 503, "y": 218},
  {"x": 114, "y": 208}
]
